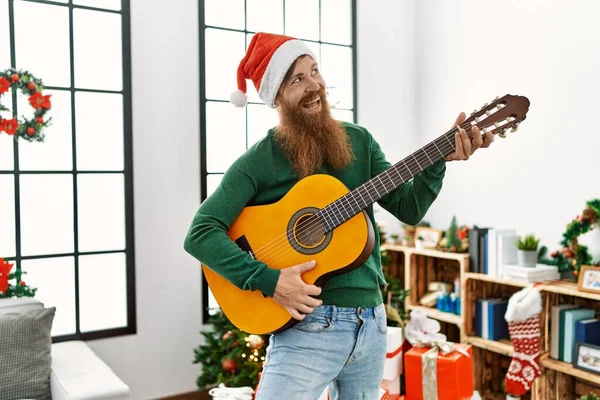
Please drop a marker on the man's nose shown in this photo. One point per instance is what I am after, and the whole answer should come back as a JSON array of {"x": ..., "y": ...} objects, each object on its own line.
[{"x": 313, "y": 86}]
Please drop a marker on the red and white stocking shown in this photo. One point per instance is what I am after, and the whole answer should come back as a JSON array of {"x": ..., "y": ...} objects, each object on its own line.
[{"x": 523, "y": 317}]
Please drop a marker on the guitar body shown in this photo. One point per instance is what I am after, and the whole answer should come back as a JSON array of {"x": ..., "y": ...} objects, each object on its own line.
[{"x": 281, "y": 235}]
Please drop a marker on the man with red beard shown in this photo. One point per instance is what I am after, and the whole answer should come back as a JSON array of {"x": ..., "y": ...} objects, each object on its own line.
[{"x": 340, "y": 339}]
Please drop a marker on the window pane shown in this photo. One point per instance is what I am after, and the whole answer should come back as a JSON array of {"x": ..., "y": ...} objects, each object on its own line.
[
  {"x": 302, "y": 19},
  {"x": 265, "y": 16},
  {"x": 51, "y": 61},
  {"x": 343, "y": 115},
  {"x": 336, "y": 21},
  {"x": 4, "y": 33},
  {"x": 224, "y": 13},
  {"x": 224, "y": 51},
  {"x": 101, "y": 212},
  {"x": 98, "y": 58},
  {"x": 225, "y": 135},
  {"x": 260, "y": 120},
  {"x": 336, "y": 67},
  {"x": 108, "y": 4},
  {"x": 7, "y": 158},
  {"x": 55, "y": 153},
  {"x": 55, "y": 280},
  {"x": 212, "y": 182},
  {"x": 7, "y": 216},
  {"x": 46, "y": 214},
  {"x": 251, "y": 92},
  {"x": 99, "y": 145},
  {"x": 102, "y": 292}
]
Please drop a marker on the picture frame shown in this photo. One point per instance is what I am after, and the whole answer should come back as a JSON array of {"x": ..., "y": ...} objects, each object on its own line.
[
  {"x": 587, "y": 357},
  {"x": 589, "y": 279},
  {"x": 431, "y": 237}
]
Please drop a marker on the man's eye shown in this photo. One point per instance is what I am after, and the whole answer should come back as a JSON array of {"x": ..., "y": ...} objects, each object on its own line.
[
  {"x": 297, "y": 80},
  {"x": 315, "y": 71}
]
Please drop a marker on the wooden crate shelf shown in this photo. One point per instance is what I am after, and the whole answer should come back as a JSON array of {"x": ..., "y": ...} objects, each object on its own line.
[
  {"x": 501, "y": 347},
  {"x": 493, "y": 279},
  {"x": 559, "y": 380},
  {"x": 568, "y": 369},
  {"x": 437, "y": 314}
]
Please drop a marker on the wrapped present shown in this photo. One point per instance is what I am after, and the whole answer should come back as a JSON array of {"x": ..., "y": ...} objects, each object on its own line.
[
  {"x": 385, "y": 391},
  {"x": 393, "y": 356},
  {"x": 443, "y": 371},
  {"x": 393, "y": 362},
  {"x": 222, "y": 392},
  {"x": 435, "y": 369}
]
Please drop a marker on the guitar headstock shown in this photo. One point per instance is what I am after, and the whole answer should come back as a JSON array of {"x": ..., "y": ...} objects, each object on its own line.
[{"x": 503, "y": 113}]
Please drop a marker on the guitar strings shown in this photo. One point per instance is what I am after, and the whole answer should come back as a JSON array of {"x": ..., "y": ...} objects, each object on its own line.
[
  {"x": 315, "y": 227},
  {"x": 312, "y": 226}
]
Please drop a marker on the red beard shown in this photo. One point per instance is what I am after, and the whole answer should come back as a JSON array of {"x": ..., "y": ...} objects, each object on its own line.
[{"x": 313, "y": 140}]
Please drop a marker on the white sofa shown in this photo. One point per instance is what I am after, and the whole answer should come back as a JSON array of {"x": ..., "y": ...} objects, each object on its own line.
[{"x": 77, "y": 372}]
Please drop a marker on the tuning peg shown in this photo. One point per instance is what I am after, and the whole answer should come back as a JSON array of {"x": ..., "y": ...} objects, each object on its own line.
[
  {"x": 497, "y": 98},
  {"x": 502, "y": 134},
  {"x": 474, "y": 112},
  {"x": 515, "y": 128}
]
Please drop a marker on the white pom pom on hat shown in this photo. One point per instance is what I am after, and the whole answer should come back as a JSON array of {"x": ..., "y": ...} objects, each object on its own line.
[
  {"x": 267, "y": 60},
  {"x": 239, "y": 98}
]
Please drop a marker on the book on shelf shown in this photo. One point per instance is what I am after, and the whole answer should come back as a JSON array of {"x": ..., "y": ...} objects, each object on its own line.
[
  {"x": 588, "y": 331},
  {"x": 557, "y": 333},
  {"x": 489, "y": 319},
  {"x": 565, "y": 331},
  {"x": 490, "y": 248}
]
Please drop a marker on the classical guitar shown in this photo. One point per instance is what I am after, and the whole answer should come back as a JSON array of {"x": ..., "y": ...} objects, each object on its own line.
[{"x": 319, "y": 218}]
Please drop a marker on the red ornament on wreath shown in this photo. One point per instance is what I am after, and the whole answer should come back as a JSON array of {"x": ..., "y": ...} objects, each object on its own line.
[{"x": 29, "y": 129}]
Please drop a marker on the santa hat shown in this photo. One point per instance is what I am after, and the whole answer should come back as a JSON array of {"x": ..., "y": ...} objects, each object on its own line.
[{"x": 266, "y": 62}]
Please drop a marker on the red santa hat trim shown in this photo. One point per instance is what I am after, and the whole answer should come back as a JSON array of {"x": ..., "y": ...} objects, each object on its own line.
[{"x": 266, "y": 62}]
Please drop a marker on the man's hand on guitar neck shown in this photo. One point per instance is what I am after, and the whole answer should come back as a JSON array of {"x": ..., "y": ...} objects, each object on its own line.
[
  {"x": 464, "y": 146},
  {"x": 294, "y": 294}
]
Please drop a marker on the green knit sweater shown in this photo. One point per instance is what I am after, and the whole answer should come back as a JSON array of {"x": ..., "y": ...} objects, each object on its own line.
[{"x": 263, "y": 175}]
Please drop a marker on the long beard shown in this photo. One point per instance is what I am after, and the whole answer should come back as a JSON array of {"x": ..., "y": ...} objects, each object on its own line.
[{"x": 310, "y": 141}]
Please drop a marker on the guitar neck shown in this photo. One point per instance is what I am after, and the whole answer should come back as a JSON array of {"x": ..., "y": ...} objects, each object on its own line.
[{"x": 380, "y": 185}]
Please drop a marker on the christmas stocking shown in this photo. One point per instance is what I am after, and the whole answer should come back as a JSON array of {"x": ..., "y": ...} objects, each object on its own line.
[{"x": 523, "y": 317}]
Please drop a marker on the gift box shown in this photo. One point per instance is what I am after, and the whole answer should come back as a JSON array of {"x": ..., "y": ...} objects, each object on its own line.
[
  {"x": 390, "y": 389},
  {"x": 439, "y": 371},
  {"x": 393, "y": 357}
]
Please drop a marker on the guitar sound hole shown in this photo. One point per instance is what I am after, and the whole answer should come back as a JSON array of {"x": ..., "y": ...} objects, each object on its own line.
[
  {"x": 310, "y": 231},
  {"x": 306, "y": 232}
]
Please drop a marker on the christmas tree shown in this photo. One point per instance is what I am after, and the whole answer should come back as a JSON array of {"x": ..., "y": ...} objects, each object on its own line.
[
  {"x": 453, "y": 239},
  {"x": 229, "y": 356}
]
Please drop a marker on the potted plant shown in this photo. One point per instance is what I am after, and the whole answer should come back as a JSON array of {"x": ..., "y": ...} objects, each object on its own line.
[
  {"x": 527, "y": 246},
  {"x": 420, "y": 242}
]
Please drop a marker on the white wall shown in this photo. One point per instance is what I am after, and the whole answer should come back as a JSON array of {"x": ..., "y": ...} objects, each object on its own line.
[
  {"x": 386, "y": 66},
  {"x": 468, "y": 52},
  {"x": 158, "y": 360}
]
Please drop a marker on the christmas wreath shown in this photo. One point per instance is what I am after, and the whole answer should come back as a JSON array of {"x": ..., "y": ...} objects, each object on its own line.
[
  {"x": 7, "y": 289},
  {"x": 28, "y": 129},
  {"x": 574, "y": 255}
]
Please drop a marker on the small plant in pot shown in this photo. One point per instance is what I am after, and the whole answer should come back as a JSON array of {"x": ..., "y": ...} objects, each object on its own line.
[
  {"x": 420, "y": 242},
  {"x": 527, "y": 255}
]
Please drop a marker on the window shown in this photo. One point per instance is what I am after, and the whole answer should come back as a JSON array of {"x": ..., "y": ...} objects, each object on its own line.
[
  {"x": 328, "y": 27},
  {"x": 67, "y": 206}
]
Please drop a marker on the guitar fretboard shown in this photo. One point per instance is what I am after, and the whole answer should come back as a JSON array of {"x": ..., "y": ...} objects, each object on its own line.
[{"x": 347, "y": 206}]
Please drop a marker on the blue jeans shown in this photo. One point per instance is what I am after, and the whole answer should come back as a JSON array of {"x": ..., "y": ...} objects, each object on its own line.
[{"x": 336, "y": 346}]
